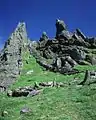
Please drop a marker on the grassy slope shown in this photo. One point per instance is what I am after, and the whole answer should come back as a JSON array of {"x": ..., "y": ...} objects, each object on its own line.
[{"x": 68, "y": 103}]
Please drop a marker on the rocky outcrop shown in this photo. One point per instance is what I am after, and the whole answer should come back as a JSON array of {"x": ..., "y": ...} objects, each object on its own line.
[
  {"x": 59, "y": 54},
  {"x": 11, "y": 55},
  {"x": 66, "y": 50}
]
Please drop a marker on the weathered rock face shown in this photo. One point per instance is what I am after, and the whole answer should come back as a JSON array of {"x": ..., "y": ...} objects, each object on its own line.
[
  {"x": 10, "y": 57},
  {"x": 59, "y": 54},
  {"x": 65, "y": 51}
]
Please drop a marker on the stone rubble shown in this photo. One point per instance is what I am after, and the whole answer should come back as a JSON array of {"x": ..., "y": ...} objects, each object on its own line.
[{"x": 65, "y": 51}]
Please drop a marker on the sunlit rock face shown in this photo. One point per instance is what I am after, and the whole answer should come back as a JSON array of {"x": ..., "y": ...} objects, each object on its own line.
[
  {"x": 67, "y": 49},
  {"x": 10, "y": 57}
]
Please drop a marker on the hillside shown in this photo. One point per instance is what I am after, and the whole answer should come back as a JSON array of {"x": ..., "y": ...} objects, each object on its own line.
[
  {"x": 71, "y": 102},
  {"x": 57, "y": 68}
]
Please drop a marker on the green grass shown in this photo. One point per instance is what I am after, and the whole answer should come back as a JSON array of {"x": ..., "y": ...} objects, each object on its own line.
[{"x": 68, "y": 103}]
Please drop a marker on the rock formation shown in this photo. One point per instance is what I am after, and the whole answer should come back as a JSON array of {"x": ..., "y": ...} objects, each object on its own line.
[
  {"x": 65, "y": 51},
  {"x": 10, "y": 57},
  {"x": 59, "y": 54}
]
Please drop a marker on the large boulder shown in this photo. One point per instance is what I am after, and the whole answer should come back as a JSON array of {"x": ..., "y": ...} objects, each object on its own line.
[{"x": 77, "y": 54}]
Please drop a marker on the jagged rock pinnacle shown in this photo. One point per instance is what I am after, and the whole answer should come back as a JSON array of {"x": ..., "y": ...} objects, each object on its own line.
[{"x": 11, "y": 57}]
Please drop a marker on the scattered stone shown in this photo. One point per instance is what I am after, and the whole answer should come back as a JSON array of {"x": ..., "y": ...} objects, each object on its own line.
[
  {"x": 9, "y": 93},
  {"x": 4, "y": 113},
  {"x": 33, "y": 93},
  {"x": 2, "y": 88},
  {"x": 59, "y": 64},
  {"x": 24, "y": 91},
  {"x": 90, "y": 78},
  {"x": 25, "y": 110},
  {"x": 36, "y": 86},
  {"x": 19, "y": 93},
  {"x": 46, "y": 84},
  {"x": 29, "y": 72}
]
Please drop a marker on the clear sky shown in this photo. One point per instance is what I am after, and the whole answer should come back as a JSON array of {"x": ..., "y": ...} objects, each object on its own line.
[{"x": 40, "y": 15}]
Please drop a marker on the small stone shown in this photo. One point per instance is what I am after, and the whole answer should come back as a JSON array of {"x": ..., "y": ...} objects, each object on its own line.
[
  {"x": 9, "y": 93},
  {"x": 29, "y": 72},
  {"x": 33, "y": 93},
  {"x": 4, "y": 113},
  {"x": 25, "y": 110}
]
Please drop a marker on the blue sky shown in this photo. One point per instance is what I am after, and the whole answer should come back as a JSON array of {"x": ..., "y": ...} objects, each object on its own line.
[{"x": 40, "y": 15}]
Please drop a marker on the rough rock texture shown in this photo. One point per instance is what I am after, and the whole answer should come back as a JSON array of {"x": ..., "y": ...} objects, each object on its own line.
[
  {"x": 65, "y": 51},
  {"x": 10, "y": 56},
  {"x": 59, "y": 54}
]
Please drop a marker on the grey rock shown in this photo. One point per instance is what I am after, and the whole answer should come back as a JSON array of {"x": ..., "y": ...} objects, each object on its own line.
[
  {"x": 4, "y": 113},
  {"x": 46, "y": 84},
  {"x": 44, "y": 36},
  {"x": 79, "y": 33},
  {"x": 24, "y": 91},
  {"x": 10, "y": 57},
  {"x": 71, "y": 61},
  {"x": 89, "y": 78},
  {"x": 43, "y": 62},
  {"x": 61, "y": 30},
  {"x": 25, "y": 110},
  {"x": 9, "y": 93},
  {"x": 34, "y": 92},
  {"x": 77, "y": 54},
  {"x": 90, "y": 59},
  {"x": 20, "y": 93},
  {"x": 2, "y": 88},
  {"x": 59, "y": 64}
]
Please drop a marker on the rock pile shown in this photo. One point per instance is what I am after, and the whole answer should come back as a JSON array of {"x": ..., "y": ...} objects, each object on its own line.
[
  {"x": 65, "y": 51},
  {"x": 59, "y": 54}
]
